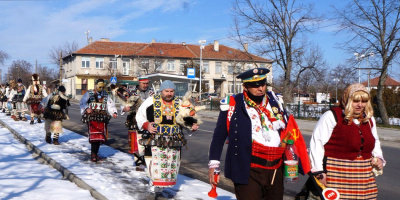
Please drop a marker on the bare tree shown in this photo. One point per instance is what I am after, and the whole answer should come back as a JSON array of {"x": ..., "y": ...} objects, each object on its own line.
[
  {"x": 66, "y": 49},
  {"x": 20, "y": 69},
  {"x": 374, "y": 27},
  {"x": 278, "y": 28},
  {"x": 3, "y": 56},
  {"x": 47, "y": 74}
]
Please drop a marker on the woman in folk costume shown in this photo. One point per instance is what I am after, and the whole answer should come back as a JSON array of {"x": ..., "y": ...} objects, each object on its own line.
[
  {"x": 18, "y": 94},
  {"x": 34, "y": 96},
  {"x": 55, "y": 111},
  {"x": 164, "y": 138},
  {"x": 97, "y": 107},
  {"x": 345, "y": 148}
]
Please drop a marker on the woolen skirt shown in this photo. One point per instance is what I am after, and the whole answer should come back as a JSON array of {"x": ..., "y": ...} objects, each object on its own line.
[{"x": 352, "y": 178}]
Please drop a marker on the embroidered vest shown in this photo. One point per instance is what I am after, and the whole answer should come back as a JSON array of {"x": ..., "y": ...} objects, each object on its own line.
[
  {"x": 97, "y": 103},
  {"x": 160, "y": 110},
  {"x": 349, "y": 141},
  {"x": 36, "y": 95}
]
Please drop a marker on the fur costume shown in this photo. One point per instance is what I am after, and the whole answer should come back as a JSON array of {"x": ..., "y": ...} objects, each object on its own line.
[{"x": 188, "y": 112}]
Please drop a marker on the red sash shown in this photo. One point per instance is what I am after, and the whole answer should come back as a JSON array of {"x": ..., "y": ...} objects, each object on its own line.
[{"x": 267, "y": 153}]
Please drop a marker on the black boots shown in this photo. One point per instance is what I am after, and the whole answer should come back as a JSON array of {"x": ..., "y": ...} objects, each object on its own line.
[
  {"x": 55, "y": 142},
  {"x": 48, "y": 139},
  {"x": 39, "y": 120},
  {"x": 32, "y": 122}
]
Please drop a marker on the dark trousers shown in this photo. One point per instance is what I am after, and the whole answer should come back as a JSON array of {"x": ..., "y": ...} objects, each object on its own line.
[
  {"x": 259, "y": 186},
  {"x": 95, "y": 147}
]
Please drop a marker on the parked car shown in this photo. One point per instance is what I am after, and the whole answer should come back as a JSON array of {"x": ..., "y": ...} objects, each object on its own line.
[{"x": 209, "y": 96}]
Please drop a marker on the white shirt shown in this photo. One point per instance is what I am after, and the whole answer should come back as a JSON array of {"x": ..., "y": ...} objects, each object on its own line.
[
  {"x": 268, "y": 137},
  {"x": 323, "y": 132}
]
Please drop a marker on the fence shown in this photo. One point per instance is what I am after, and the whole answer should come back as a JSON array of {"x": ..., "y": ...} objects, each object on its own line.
[{"x": 313, "y": 111}]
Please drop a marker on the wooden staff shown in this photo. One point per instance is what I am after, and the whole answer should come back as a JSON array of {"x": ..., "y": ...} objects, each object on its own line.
[{"x": 282, "y": 144}]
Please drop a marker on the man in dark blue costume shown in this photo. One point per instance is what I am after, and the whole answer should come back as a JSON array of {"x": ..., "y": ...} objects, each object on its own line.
[{"x": 251, "y": 121}]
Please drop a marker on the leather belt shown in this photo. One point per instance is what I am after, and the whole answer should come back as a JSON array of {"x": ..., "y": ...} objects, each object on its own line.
[{"x": 263, "y": 162}]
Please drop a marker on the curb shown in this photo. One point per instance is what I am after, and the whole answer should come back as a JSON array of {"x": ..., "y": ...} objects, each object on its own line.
[{"x": 64, "y": 171}]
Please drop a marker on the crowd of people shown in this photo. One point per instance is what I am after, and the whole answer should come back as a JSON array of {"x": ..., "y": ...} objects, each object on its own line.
[{"x": 345, "y": 151}]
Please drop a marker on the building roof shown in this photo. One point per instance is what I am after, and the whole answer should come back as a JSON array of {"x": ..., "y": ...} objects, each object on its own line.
[
  {"x": 388, "y": 82},
  {"x": 172, "y": 50}
]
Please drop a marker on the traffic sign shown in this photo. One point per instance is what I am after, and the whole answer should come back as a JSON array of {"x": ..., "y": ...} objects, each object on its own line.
[
  {"x": 191, "y": 73},
  {"x": 113, "y": 80}
]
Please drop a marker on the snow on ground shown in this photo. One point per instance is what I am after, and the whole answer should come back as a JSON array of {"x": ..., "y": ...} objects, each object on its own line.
[{"x": 22, "y": 177}]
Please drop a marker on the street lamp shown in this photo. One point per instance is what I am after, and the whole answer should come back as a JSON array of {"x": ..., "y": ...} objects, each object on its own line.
[
  {"x": 336, "y": 81},
  {"x": 201, "y": 42}
]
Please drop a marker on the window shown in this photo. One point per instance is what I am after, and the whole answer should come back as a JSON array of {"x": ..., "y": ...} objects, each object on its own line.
[
  {"x": 144, "y": 64},
  {"x": 113, "y": 63},
  {"x": 157, "y": 65},
  {"x": 206, "y": 67},
  {"x": 171, "y": 65},
  {"x": 230, "y": 68},
  {"x": 249, "y": 66},
  {"x": 263, "y": 65},
  {"x": 238, "y": 88},
  {"x": 218, "y": 68},
  {"x": 182, "y": 64},
  {"x": 125, "y": 66},
  {"x": 99, "y": 63},
  {"x": 85, "y": 62}
]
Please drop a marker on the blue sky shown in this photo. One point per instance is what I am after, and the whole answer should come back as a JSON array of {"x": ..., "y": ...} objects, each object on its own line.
[{"x": 30, "y": 29}]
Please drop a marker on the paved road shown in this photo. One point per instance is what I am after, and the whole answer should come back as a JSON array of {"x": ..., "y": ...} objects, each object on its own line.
[{"x": 195, "y": 156}]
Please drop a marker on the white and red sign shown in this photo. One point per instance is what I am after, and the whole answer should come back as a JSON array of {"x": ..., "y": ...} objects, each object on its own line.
[{"x": 330, "y": 194}]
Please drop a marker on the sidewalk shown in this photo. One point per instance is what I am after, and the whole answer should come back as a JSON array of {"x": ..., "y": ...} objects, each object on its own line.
[{"x": 22, "y": 177}]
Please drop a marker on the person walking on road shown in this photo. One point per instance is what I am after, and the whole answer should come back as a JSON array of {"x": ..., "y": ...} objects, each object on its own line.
[
  {"x": 345, "y": 148},
  {"x": 97, "y": 107},
  {"x": 33, "y": 96},
  {"x": 55, "y": 110},
  {"x": 252, "y": 122},
  {"x": 163, "y": 138}
]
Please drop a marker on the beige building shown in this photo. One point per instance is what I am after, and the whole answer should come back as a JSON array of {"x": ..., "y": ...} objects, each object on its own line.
[{"x": 159, "y": 61}]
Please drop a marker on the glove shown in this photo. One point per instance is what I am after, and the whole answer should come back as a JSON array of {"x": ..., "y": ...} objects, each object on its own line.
[{"x": 278, "y": 124}]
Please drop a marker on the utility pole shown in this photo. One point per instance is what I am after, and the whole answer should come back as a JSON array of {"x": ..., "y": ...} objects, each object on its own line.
[
  {"x": 60, "y": 68},
  {"x": 36, "y": 66}
]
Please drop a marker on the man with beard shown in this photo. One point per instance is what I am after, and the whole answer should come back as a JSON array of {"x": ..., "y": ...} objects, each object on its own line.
[
  {"x": 97, "y": 107},
  {"x": 163, "y": 137},
  {"x": 252, "y": 121},
  {"x": 34, "y": 96}
]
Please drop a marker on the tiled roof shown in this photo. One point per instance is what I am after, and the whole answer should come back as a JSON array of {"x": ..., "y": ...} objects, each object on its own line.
[
  {"x": 171, "y": 50},
  {"x": 388, "y": 82}
]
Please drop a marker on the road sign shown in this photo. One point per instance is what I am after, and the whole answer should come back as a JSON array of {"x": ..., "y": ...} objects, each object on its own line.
[
  {"x": 113, "y": 80},
  {"x": 191, "y": 73}
]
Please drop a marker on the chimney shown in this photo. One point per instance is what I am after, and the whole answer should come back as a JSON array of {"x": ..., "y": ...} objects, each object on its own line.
[
  {"x": 246, "y": 47},
  {"x": 90, "y": 40},
  {"x": 153, "y": 41},
  {"x": 183, "y": 43},
  {"x": 105, "y": 39},
  {"x": 216, "y": 45}
]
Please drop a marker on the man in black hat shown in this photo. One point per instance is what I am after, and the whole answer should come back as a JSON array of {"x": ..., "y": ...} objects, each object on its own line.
[
  {"x": 252, "y": 122},
  {"x": 55, "y": 111}
]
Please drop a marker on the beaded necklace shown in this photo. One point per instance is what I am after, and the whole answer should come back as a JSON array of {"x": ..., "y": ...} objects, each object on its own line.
[{"x": 262, "y": 110}]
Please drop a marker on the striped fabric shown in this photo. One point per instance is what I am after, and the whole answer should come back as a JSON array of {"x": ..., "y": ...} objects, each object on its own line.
[
  {"x": 352, "y": 178},
  {"x": 267, "y": 153}
]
